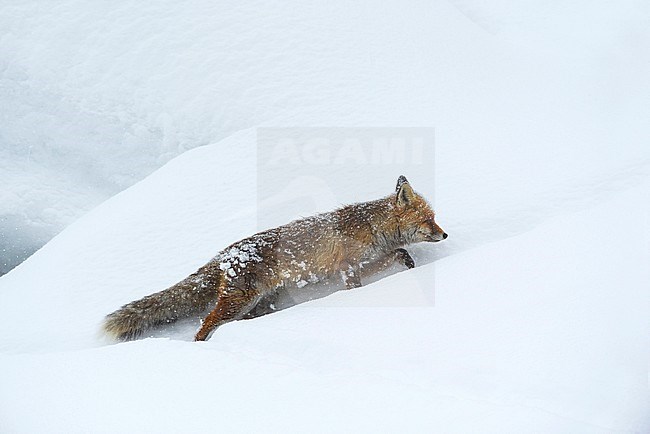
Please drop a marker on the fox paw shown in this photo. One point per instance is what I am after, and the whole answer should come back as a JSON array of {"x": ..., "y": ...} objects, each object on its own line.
[{"x": 404, "y": 258}]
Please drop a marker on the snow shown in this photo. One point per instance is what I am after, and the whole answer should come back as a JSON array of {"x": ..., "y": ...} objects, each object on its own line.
[
  {"x": 531, "y": 317},
  {"x": 94, "y": 97},
  {"x": 545, "y": 328}
]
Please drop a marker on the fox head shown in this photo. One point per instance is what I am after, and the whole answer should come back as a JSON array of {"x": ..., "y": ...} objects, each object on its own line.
[{"x": 415, "y": 217}]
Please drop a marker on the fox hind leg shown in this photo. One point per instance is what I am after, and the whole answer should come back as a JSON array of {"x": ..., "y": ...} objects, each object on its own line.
[
  {"x": 277, "y": 300},
  {"x": 233, "y": 304}
]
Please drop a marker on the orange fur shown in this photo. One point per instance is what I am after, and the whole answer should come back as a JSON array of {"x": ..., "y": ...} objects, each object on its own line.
[{"x": 245, "y": 278}]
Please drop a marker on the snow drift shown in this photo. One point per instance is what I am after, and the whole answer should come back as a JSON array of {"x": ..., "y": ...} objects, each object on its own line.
[
  {"x": 545, "y": 328},
  {"x": 532, "y": 316}
]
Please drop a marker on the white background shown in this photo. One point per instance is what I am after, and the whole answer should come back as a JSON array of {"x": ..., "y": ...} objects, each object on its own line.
[{"x": 542, "y": 180}]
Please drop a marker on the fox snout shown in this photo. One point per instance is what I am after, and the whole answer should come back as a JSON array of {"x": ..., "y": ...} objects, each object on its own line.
[
  {"x": 437, "y": 234},
  {"x": 431, "y": 232},
  {"x": 434, "y": 238}
]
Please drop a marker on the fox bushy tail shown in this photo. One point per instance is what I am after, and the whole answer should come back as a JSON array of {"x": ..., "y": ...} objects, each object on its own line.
[{"x": 189, "y": 297}]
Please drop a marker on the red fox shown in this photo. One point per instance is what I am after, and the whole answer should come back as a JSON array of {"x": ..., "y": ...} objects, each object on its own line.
[{"x": 243, "y": 280}]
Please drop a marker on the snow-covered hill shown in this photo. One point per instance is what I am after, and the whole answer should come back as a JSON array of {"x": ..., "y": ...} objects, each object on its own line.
[
  {"x": 94, "y": 96},
  {"x": 541, "y": 330},
  {"x": 531, "y": 317}
]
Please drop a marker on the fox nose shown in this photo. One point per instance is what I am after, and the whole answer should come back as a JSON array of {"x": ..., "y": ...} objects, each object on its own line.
[{"x": 444, "y": 236}]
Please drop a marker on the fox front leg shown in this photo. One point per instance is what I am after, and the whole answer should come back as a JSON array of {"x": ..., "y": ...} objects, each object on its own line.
[
  {"x": 350, "y": 276},
  {"x": 404, "y": 258},
  {"x": 233, "y": 304},
  {"x": 374, "y": 267}
]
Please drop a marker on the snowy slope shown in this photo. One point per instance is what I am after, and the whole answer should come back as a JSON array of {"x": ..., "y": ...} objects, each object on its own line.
[
  {"x": 545, "y": 330},
  {"x": 531, "y": 317}
]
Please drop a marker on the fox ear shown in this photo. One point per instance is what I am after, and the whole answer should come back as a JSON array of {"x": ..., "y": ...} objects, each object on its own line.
[
  {"x": 405, "y": 193},
  {"x": 401, "y": 181}
]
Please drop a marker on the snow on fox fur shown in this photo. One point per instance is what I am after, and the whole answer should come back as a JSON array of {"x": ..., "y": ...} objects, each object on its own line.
[{"x": 245, "y": 279}]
